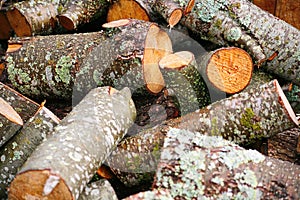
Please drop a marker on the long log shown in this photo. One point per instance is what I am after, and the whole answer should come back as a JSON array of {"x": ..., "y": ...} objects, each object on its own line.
[
  {"x": 242, "y": 118},
  {"x": 82, "y": 141},
  {"x": 21, "y": 105},
  {"x": 16, "y": 151},
  {"x": 241, "y": 23},
  {"x": 197, "y": 166}
]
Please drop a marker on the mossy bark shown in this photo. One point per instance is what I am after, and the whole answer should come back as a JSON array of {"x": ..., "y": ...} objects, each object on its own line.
[
  {"x": 240, "y": 23},
  {"x": 76, "y": 13},
  {"x": 22, "y": 105},
  {"x": 241, "y": 118},
  {"x": 16, "y": 151},
  {"x": 194, "y": 165},
  {"x": 82, "y": 141}
]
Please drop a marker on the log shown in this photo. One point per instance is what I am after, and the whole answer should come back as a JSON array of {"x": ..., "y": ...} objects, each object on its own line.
[
  {"x": 242, "y": 118},
  {"x": 79, "y": 12},
  {"x": 17, "y": 105},
  {"x": 16, "y": 151},
  {"x": 29, "y": 18},
  {"x": 5, "y": 28},
  {"x": 197, "y": 166},
  {"x": 184, "y": 81},
  {"x": 82, "y": 141},
  {"x": 241, "y": 23}
]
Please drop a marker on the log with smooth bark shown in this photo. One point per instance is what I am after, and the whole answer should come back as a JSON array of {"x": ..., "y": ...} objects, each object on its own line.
[
  {"x": 16, "y": 151},
  {"x": 29, "y": 18},
  {"x": 17, "y": 105},
  {"x": 194, "y": 165},
  {"x": 244, "y": 117},
  {"x": 82, "y": 141},
  {"x": 79, "y": 12},
  {"x": 241, "y": 23}
]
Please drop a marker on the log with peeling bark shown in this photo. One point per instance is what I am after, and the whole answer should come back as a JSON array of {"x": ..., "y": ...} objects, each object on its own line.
[
  {"x": 241, "y": 23},
  {"x": 16, "y": 151},
  {"x": 15, "y": 110},
  {"x": 227, "y": 69},
  {"x": 29, "y": 18},
  {"x": 76, "y": 13},
  {"x": 62, "y": 165},
  {"x": 194, "y": 165},
  {"x": 261, "y": 112}
]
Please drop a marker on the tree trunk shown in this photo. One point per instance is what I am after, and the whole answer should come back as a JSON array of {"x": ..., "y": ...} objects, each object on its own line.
[
  {"x": 23, "y": 106},
  {"x": 16, "y": 151},
  {"x": 76, "y": 13},
  {"x": 82, "y": 141},
  {"x": 241, "y": 118},
  {"x": 239, "y": 22},
  {"x": 193, "y": 165}
]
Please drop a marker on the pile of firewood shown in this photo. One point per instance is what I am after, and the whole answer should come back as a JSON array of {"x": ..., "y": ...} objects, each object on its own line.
[{"x": 151, "y": 110}]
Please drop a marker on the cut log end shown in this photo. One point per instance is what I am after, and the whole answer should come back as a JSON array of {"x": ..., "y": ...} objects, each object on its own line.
[
  {"x": 19, "y": 23},
  {"x": 38, "y": 184},
  {"x": 285, "y": 103},
  {"x": 175, "y": 17},
  {"x": 117, "y": 23},
  {"x": 177, "y": 60},
  {"x": 230, "y": 69},
  {"x": 13, "y": 47},
  {"x": 9, "y": 113},
  {"x": 66, "y": 22},
  {"x": 124, "y": 9}
]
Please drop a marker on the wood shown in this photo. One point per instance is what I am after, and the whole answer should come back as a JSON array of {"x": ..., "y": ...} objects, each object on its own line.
[
  {"x": 9, "y": 113},
  {"x": 79, "y": 12},
  {"x": 211, "y": 164},
  {"x": 33, "y": 18},
  {"x": 185, "y": 82},
  {"x": 82, "y": 141},
  {"x": 124, "y": 9},
  {"x": 5, "y": 28},
  {"x": 269, "y": 6},
  {"x": 259, "y": 113},
  {"x": 15, "y": 152}
]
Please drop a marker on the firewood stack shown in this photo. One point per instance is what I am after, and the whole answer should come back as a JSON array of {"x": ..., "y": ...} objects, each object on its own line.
[{"x": 169, "y": 99}]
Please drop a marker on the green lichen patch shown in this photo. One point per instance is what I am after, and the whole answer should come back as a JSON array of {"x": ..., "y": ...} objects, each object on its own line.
[
  {"x": 63, "y": 68},
  {"x": 248, "y": 120}
]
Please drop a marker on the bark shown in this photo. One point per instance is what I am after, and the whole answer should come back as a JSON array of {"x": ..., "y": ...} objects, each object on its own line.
[
  {"x": 29, "y": 18},
  {"x": 241, "y": 118},
  {"x": 16, "y": 151},
  {"x": 239, "y": 22},
  {"x": 23, "y": 106},
  {"x": 227, "y": 69},
  {"x": 76, "y": 13},
  {"x": 46, "y": 66},
  {"x": 193, "y": 165},
  {"x": 99, "y": 190},
  {"x": 82, "y": 141}
]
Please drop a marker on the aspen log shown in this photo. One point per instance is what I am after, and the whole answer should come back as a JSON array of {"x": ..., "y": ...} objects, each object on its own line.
[
  {"x": 244, "y": 117},
  {"x": 29, "y": 18},
  {"x": 82, "y": 141},
  {"x": 16, "y": 104},
  {"x": 241, "y": 23},
  {"x": 194, "y": 165},
  {"x": 76, "y": 13},
  {"x": 16, "y": 151}
]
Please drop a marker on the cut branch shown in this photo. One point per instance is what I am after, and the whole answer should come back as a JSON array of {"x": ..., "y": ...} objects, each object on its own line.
[{"x": 82, "y": 141}]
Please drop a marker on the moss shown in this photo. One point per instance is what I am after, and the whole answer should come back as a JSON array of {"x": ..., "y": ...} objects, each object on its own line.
[{"x": 248, "y": 120}]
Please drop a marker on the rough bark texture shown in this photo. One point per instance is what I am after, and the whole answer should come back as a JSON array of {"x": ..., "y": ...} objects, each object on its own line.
[
  {"x": 99, "y": 190},
  {"x": 16, "y": 151},
  {"x": 82, "y": 141},
  {"x": 241, "y": 118},
  {"x": 46, "y": 66},
  {"x": 241, "y": 23},
  {"x": 29, "y": 18},
  {"x": 193, "y": 165},
  {"x": 76, "y": 13},
  {"x": 22, "y": 105}
]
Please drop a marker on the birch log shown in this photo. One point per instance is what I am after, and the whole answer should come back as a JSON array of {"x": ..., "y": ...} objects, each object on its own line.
[
  {"x": 241, "y": 23},
  {"x": 193, "y": 165},
  {"x": 16, "y": 151},
  {"x": 261, "y": 112},
  {"x": 21, "y": 105},
  {"x": 61, "y": 167}
]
